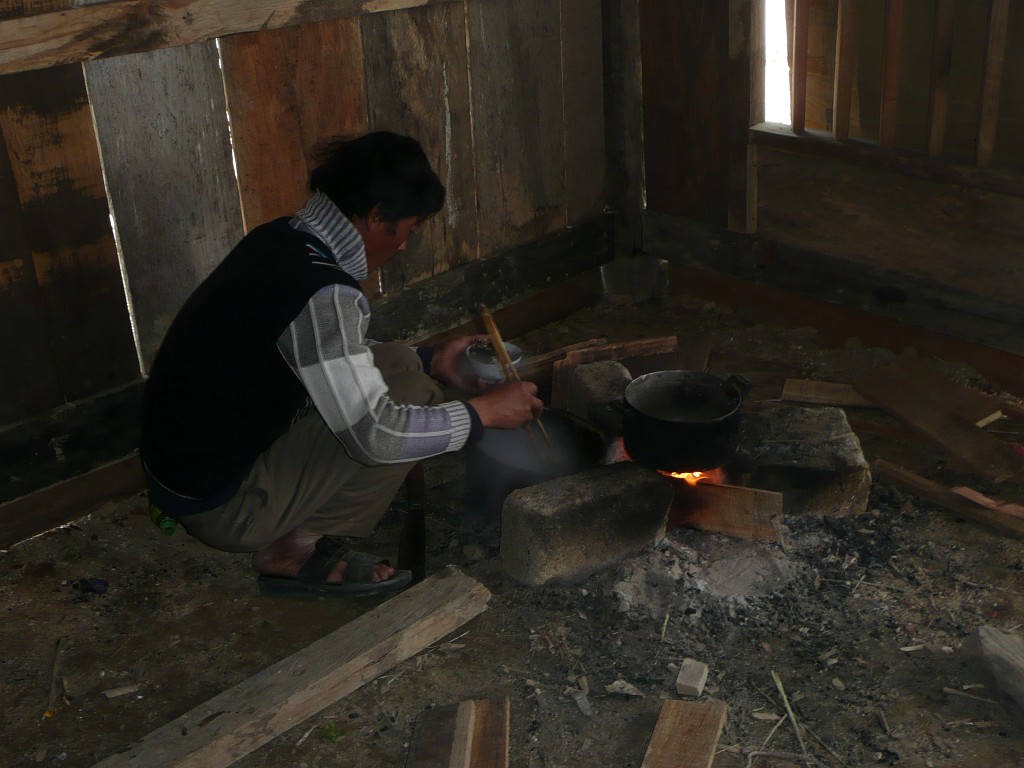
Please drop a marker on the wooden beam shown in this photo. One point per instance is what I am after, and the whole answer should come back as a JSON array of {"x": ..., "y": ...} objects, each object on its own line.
[
  {"x": 241, "y": 719},
  {"x": 823, "y": 393},
  {"x": 133, "y": 26},
  {"x": 891, "y": 71},
  {"x": 945, "y": 498},
  {"x": 995, "y": 49},
  {"x": 798, "y": 63},
  {"x": 686, "y": 734},
  {"x": 846, "y": 68},
  {"x": 62, "y": 502},
  {"x": 938, "y": 88}
]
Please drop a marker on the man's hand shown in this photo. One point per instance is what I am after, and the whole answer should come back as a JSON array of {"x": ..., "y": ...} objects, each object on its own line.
[
  {"x": 449, "y": 364},
  {"x": 507, "y": 406}
]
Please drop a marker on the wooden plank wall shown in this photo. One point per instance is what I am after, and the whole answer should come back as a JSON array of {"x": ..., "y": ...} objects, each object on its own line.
[
  {"x": 66, "y": 326},
  {"x": 507, "y": 99}
]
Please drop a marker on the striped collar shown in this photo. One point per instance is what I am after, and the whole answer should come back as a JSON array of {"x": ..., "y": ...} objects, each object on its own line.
[{"x": 322, "y": 218}]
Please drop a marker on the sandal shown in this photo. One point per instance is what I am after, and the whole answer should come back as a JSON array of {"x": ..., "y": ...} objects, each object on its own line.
[{"x": 311, "y": 581}]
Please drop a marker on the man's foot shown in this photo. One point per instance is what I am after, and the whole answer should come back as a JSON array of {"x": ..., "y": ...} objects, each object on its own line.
[{"x": 286, "y": 556}]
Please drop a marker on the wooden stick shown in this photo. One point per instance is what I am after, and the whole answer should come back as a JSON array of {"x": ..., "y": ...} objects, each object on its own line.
[
  {"x": 506, "y": 362},
  {"x": 789, "y": 711}
]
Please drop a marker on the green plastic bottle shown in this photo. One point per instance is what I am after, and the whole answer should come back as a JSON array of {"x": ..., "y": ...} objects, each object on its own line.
[{"x": 162, "y": 520}]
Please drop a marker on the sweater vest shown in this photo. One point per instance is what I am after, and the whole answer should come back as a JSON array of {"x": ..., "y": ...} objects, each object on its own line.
[{"x": 219, "y": 392}]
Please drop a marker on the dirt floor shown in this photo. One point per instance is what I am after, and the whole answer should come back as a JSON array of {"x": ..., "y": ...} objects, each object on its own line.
[{"x": 864, "y": 620}]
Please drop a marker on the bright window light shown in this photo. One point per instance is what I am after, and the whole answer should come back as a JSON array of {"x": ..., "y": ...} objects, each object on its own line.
[{"x": 776, "y": 65}]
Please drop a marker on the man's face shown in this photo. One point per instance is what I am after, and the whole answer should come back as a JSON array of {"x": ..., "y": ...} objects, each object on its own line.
[{"x": 383, "y": 239}]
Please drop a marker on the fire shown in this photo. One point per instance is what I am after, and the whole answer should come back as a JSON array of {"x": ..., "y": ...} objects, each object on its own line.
[{"x": 710, "y": 476}]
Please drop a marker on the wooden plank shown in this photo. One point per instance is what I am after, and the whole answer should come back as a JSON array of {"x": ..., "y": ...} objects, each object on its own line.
[
  {"x": 432, "y": 738},
  {"x": 237, "y": 721},
  {"x": 167, "y": 156},
  {"x": 583, "y": 108},
  {"x": 823, "y": 393},
  {"x": 289, "y": 91},
  {"x": 120, "y": 27},
  {"x": 624, "y": 121},
  {"x": 24, "y": 332},
  {"x": 47, "y": 125},
  {"x": 685, "y": 69},
  {"x": 950, "y": 502},
  {"x": 746, "y": 102},
  {"x": 417, "y": 83},
  {"x": 471, "y": 734},
  {"x": 995, "y": 51},
  {"x": 940, "y": 415},
  {"x": 10, "y": 9},
  {"x": 732, "y": 510},
  {"x": 686, "y": 734},
  {"x": 846, "y": 69},
  {"x": 1000, "y": 654},
  {"x": 798, "y": 63},
  {"x": 912, "y": 374},
  {"x": 486, "y": 742},
  {"x": 891, "y": 71},
  {"x": 65, "y": 501},
  {"x": 938, "y": 87},
  {"x": 519, "y": 136},
  {"x": 1006, "y": 507}
]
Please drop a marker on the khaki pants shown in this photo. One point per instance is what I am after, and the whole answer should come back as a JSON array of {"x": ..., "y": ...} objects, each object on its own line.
[{"x": 306, "y": 479}]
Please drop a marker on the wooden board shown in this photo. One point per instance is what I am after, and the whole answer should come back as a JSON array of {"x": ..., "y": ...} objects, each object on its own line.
[
  {"x": 417, "y": 83},
  {"x": 686, "y": 734},
  {"x": 239, "y": 720},
  {"x": 995, "y": 51},
  {"x": 949, "y": 501},
  {"x": 288, "y": 91},
  {"x": 583, "y": 108},
  {"x": 481, "y": 734},
  {"x": 823, "y": 393},
  {"x": 518, "y": 132},
  {"x": 846, "y": 66},
  {"x": 685, "y": 57},
  {"x": 48, "y": 130},
  {"x": 167, "y": 157},
  {"x": 58, "y": 504},
  {"x": 938, "y": 86},
  {"x": 798, "y": 57},
  {"x": 98, "y": 29},
  {"x": 24, "y": 335},
  {"x": 943, "y": 413},
  {"x": 891, "y": 73},
  {"x": 746, "y": 513}
]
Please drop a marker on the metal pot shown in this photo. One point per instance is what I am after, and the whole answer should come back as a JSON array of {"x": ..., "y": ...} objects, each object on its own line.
[
  {"x": 507, "y": 459},
  {"x": 683, "y": 421}
]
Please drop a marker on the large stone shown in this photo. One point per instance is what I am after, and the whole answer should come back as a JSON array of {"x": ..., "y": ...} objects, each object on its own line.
[
  {"x": 810, "y": 455},
  {"x": 566, "y": 529},
  {"x": 594, "y": 392}
]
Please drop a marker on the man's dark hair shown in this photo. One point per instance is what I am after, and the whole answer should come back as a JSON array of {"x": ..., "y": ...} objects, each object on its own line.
[{"x": 379, "y": 169}]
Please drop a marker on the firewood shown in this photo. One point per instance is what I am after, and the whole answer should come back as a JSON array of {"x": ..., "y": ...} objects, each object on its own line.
[{"x": 686, "y": 735}]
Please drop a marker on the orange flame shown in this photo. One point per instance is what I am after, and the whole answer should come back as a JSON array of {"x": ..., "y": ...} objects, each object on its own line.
[{"x": 710, "y": 476}]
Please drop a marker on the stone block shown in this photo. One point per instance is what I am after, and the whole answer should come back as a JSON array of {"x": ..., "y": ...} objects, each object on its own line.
[
  {"x": 593, "y": 389},
  {"x": 810, "y": 455},
  {"x": 692, "y": 676},
  {"x": 566, "y": 529}
]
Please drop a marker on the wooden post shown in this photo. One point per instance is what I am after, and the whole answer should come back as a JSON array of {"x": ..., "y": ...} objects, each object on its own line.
[
  {"x": 798, "y": 63},
  {"x": 891, "y": 74},
  {"x": 846, "y": 65},
  {"x": 994, "y": 51},
  {"x": 938, "y": 94}
]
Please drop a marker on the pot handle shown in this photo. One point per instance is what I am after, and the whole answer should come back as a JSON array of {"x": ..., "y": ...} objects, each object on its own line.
[{"x": 742, "y": 383}]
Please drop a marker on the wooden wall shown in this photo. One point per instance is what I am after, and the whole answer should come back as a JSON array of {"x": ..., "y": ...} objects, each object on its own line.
[
  {"x": 899, "y": 188},
  {"x": 139, "y": 113}
]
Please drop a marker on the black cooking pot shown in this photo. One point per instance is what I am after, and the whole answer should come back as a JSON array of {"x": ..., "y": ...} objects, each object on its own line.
[{"x": 683, "y": 421}]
